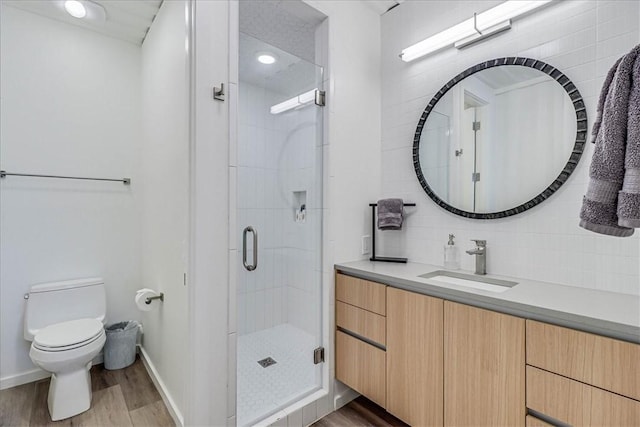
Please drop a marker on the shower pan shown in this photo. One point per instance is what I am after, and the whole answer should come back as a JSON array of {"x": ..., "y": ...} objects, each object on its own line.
[{"x": 279, "y": 229}]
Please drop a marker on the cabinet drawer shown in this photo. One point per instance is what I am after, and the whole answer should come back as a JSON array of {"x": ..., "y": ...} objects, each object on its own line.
[
  {"x": 362, "y": 322},
  {"x": 592, "y": 359},
  {"x": 361, "y": 293},
  {"x": 575, "y": 403},
  {"x": 532, "y": 421},
  {"x": 362, "y": 367}
]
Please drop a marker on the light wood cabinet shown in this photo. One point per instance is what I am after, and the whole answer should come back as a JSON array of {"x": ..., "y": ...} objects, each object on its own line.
[
  {"x": 592, "y": 359},
  {"x": 432, "y": 362},
  {"x": 361, "y": 366},
  {"x": 414, "y": 357},
  {"x": 484, "y": 367},
  {"x": 360, "y": 317},
  {"x": 370, "y": 296},
  {"x": 532, "y": 421},
  {"x": 361, "y": 322},
  {"x": 579, "y": 404}
]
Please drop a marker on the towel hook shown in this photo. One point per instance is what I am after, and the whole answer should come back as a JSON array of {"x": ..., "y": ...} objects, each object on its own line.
[{"x": 218, "y": 92}]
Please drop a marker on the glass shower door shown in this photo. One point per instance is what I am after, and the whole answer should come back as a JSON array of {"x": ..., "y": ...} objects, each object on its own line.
[{"x": 279, "y": 196}]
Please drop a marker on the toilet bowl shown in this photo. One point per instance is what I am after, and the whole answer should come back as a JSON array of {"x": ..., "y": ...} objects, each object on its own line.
[
  {"x": 66, "y": 349},
  {"x": 65, "y": 323}
]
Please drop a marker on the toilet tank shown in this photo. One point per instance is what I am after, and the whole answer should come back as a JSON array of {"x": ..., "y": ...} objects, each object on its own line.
[{"x": 50, "y": 303}]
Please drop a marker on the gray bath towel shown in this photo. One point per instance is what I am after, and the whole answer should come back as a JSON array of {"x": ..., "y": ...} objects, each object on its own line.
[
  {"x": 612, "y": 203},
  {"x": 390, "y": 214}
]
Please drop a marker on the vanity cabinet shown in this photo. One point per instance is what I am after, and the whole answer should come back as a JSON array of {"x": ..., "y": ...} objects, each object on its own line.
[
  {"x": 432, "y": 362},
  {"x": 361, "y": 366},
  {"x": 582, "y": 379},
  {"x": 532, "y": 421},
  {"x": 484, "y": 367},
  {"x": 603, "y": 362},
  {"x": 575, "y": 403},
  {"x": 367, "y": 295},
  {"x": 414, "y": 357},
  {"x": 361, "y": 336}
]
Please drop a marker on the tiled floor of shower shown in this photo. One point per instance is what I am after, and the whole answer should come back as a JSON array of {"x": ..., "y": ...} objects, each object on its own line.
[{"x": 262, "y": 391}]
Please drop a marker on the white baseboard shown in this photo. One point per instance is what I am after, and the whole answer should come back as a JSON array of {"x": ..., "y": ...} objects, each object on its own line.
[
  {"x": 23, "y": 378},
  {"x": 347, "y": 396},
  {"x": 162, "y": 389},
  {"x": 33, "y": 375}
]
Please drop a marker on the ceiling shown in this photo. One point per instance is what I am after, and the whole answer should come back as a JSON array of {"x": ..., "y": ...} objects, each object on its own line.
[
  {"x": 285, "y": 24},
  {"x": 509, "y": 75},
  {"x": 288, "y": 76},
  {"x": 286, "y": 29},
  {"x": 127, "y": 20},
  {"x": 381, "y": 6}
]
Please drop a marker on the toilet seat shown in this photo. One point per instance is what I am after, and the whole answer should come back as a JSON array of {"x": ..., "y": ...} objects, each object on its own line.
[{"x": 68, "y": 335}]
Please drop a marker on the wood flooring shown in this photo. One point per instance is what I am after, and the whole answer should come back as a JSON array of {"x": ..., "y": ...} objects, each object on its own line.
[
  {"x": 360, "y": 412},
  {"x": 125, "y": 397}
]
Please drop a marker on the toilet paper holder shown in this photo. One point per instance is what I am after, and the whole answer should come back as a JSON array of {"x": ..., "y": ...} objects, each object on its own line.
[{"x": 160, "y": 297}]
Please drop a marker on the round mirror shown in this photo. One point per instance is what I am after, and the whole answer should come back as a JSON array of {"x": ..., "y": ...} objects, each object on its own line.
[{"x": 499, "y": 138}]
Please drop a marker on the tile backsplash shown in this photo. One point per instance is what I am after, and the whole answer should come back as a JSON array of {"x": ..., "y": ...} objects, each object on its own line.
[{"x": 582, "y": 39}]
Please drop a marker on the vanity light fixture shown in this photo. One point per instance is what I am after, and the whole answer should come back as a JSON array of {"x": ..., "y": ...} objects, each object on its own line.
[
  {"x": 295, "y": 102},
  {"x": 480, "y": 26}
]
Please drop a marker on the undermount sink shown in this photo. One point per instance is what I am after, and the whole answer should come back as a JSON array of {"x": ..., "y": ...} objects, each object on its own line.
[{"x": 470, "y": 281}]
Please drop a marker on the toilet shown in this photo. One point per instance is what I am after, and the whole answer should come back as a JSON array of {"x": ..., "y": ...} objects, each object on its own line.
[{"x": 65, "y": 323}]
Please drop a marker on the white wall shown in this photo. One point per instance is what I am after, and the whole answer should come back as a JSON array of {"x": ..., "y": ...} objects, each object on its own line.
[
  {"x": 211, "y": 305},
  {"x": 164, "y": 156},
  {"x": 583, "y": 39},
  {"x": 351, "y": 152},
  {"x": 70, "y": 106}
]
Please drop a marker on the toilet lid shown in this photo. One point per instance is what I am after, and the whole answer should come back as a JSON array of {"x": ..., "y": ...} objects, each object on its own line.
[{"x": 66, "y": 334}]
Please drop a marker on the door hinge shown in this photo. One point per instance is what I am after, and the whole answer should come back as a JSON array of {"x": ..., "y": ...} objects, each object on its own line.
[
  {"x": 320, "y": 98},
  {"x": 475, "y": 177},
  {"x": 476, "y": 126},
  {"x": 318, "y": 355}
]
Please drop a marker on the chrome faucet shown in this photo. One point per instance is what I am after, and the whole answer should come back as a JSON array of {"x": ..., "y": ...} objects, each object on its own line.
[{"x": 481, "y": 256}]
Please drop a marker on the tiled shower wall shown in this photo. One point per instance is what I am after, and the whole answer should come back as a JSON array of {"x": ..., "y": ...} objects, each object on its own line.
[
  {"x": 279, "y": 167},
  {"x": 582, "y": 39}
]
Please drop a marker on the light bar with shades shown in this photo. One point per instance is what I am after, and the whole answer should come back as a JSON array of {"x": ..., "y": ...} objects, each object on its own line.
[
  {"x": 295, "y": 102},
  {"x": 474, "y": 29}
]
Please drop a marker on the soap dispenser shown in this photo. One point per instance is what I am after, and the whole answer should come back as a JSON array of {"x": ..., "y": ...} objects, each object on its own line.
[{"x": 451, "y": 255}]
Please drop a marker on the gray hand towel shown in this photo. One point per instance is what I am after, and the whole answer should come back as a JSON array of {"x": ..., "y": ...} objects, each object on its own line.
[
  {"x": 612, "y": 203},
  {"x": 390, "y": 214}
]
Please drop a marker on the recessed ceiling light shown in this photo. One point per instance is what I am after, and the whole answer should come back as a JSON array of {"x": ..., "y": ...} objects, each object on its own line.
[
  {"x": 266, "y": 58},
  {"x": 75, "y": 8}
]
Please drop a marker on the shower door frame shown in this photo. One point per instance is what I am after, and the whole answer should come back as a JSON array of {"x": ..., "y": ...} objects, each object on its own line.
[{"x": 326, "y": 279}]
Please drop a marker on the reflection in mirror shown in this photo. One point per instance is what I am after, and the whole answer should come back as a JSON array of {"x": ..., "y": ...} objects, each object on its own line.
[{"x": 496, "y": 139}]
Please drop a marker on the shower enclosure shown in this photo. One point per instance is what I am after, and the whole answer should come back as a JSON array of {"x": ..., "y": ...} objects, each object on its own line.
[{"x": 279, "y": 220}]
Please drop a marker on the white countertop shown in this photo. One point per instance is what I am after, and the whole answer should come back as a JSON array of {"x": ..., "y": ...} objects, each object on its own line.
[{"x": 606, "y": 313}]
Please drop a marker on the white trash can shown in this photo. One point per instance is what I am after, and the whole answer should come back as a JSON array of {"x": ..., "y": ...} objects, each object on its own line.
[{"x": 120, "y": 347}]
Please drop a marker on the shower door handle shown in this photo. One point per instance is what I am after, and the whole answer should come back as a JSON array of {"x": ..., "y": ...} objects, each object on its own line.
[{"x": 253, "y": 266}]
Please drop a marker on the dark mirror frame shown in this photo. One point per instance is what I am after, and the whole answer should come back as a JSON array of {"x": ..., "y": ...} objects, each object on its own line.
[{"x": 574, "y": 158}]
